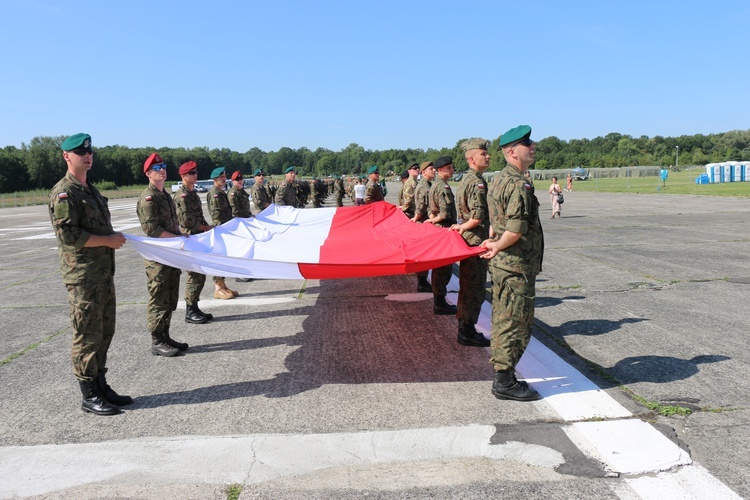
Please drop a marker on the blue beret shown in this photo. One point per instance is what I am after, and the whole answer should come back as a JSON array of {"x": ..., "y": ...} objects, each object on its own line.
[
  {"x": 77, "y": 141},
  {"x": 289, "y": 169},
  {"x": 442, "y": 161},
  {"x": 217, "y": 172},
  {"x": 515, "y": 134},
  {"x": 372, "y": 170}
]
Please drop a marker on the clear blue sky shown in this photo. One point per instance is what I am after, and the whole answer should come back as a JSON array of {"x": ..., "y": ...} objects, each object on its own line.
[{"x": 383, "y": 74}]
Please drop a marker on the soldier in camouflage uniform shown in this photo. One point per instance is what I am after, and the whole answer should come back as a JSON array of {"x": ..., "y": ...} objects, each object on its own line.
[
  {"x": 421, "y": 213},
  {"x": 238, "y": 197},
  {"x": 338, "y": 190},
  {"x": 442, "y": 214},
  {"x": 406, "y": 201},
  {"x": 259, "y": 192},
  {"x": 516, "y": 251},
  {"x": 158, "y": 216},
  {"x": 287, "y": 194},
  {"x": 86, "y": 245},
  {"x": 191, "y": 220},
  {"x": 220, "y": 211},
  {"x": 373, "y": 190},
  {"x": 474, "y": 229}
]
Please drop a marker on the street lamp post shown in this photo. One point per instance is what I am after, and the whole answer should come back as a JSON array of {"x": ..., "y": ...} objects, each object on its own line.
[{"x": 677, "y": 158}]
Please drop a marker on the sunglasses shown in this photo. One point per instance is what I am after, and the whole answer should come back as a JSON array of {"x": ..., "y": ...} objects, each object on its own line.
[
  {"x": 158, "y": 167},
  {"x": 526, "y": 142},
  {"x": 82, "y": 152},
  {"x": 192, "y": 172},
  {"x": 260, "y": 175}
]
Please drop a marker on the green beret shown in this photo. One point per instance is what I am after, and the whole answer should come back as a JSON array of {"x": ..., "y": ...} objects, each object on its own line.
[
  {"x": 373, "y": 170},
  {"x": 413, "y": 165},
  {"x": 217, "y": 172},
  {"x": 519, "y": 133},
  {"x": 258, "y": 171},
  {"x": 289, "y": 169},
  {"x": 476, "y": 143},
  {"x": 82, "y": 141}
]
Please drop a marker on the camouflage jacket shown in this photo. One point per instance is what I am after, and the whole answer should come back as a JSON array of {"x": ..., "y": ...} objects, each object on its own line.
[
  {"x": 407, "y": 202},
  {"x": 240, "y": 202},
  {"x": 373, "y": 192},
  {"x": 442, "y": 202},
  {"x": 261, "y": 197},
  {"x": 422, "y": 199},
  {"x": 77, "y": 212},
  {"x": 157, "y": 212},
  {"x": 218, "y": 206},
  {"x": 514, "y": 207},
  {"x": 286, "y": 195},
  {"x": 472, "y": 204},
  {"x": 189, "y": 211}
]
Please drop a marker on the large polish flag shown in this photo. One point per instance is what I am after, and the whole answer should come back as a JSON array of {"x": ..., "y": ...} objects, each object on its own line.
[{"x": 322, "y": 243}]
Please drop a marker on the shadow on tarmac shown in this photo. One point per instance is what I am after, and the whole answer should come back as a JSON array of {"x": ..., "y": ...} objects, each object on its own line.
[{"x": 660, "y": 369}]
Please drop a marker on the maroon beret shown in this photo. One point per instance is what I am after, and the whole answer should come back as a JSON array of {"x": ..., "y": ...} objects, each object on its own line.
[
  {"x": 236, "y": 174},
  {"x": 187, "y": 167},
  {"x": 152, "y": 160}
]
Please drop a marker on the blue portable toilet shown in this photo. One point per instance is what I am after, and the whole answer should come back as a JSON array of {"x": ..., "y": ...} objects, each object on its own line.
[
  {"x": 713, "y": 171},
  {"x": 736, "y": 171}
]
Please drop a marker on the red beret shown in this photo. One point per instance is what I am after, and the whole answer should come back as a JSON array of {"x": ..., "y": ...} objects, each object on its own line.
[
  {"x": 236, "y": 174},
  {"x": 154, "y": 159},
  {"x": 187, "y": 167}
]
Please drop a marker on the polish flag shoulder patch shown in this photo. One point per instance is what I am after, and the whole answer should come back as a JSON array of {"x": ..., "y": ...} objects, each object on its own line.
[
  {"x": 148, "y": 198},
  {"x": 62, "y": 196}
]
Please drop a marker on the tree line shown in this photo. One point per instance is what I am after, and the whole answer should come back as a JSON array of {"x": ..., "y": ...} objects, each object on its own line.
[{"x": 39, "y": 164}]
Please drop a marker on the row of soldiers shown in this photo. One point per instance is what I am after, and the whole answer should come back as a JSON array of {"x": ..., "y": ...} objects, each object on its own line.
[{"x": 505, "y": 225}]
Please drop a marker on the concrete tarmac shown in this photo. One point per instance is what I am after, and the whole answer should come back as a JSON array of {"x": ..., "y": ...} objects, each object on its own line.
[{"x": 331, "y": 389}]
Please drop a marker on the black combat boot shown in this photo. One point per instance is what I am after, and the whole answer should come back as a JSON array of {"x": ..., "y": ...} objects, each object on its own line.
[
  {"x": 93, "y": 401},
  {"x": 195, "y": 315},
  {"x": 468, "y": 335},
  {"x": 507, "y": 386},
  {"x": 160, "y": 347},
  {"x": 182, "y": 346},
  {"x": 423, "y": 285},
  {"x": 208, "y": 316},
  {"x": 110, "y": 394},
  {"x": 440, "y": 306}
]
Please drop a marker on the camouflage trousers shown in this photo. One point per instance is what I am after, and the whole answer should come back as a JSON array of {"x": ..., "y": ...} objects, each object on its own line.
[
  {"x": 340, "y": 200},
  {"x": 194, "y": 287},
  {"x": 92, "y": 316},
  {"x": 472, "y": 277},
  {"x": 164, "y": 291},
  {"x": 440, "y": 279},
  {"x": 513, "y": 297}
]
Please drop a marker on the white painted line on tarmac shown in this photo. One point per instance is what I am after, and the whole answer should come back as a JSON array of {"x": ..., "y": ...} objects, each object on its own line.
[{"x": 688, "y": 482}]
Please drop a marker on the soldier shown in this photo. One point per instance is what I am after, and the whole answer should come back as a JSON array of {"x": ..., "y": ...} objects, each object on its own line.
[
  {"x": 400, "y": 197},
  {"x": 286, "y": 194},
  {"x": 515, "y": 250},
  {"x": 373, "y": 190},
  {"x": 421, "y": 213},
  {"x": 191, "y": 220},
  {"x": 158, "y": 216},
  {"x": 338, "y": 189},
  {"x": 474, "y": 229},
  {"x": 239, "y": 200},
  {"x": 406, "y": 201},
  {"x": 86, "y": 244},
  {"x": 442, "y": 214},
  {"x": 259, "y": 193},
  {"x": 220, "y": 211}
]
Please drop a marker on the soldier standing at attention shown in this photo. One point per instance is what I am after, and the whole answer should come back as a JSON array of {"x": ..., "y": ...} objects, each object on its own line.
[
  {"x": 86, "y": 244},
  {"x": 421, "y": 213},
  {"x": 157, "y": 214},
  {"x": 406, "y": 201},
  {"x": 238, "y": 197},
  {"x": 474, "y": 229},
  {"x": 287, "y": 194},
  {"x": 515, "y": 251},
  {"x": 220, "y": 211},
  {"x": 259, "y": 193},
  {"x": 338, "y": 189},
  {"x": 191, "y": 220},
  {"x": 442, "y": 214},
  {"x": 373, "y": 190}
]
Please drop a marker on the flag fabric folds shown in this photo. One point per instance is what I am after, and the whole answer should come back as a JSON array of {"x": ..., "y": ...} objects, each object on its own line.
[{"x": 324, "y": 243}]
